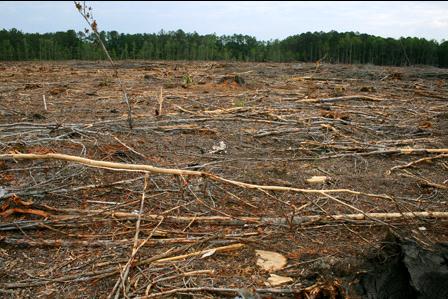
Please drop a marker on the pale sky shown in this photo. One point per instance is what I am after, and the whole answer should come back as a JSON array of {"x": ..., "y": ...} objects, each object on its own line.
[{"x": 263, "y": 19}]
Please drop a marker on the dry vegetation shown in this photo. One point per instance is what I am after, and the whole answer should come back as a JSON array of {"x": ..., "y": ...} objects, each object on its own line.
[{"x": 243, "y": 142}]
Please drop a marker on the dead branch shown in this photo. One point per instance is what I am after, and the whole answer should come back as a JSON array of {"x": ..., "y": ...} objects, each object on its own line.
[
  {"x": 89, "y": 243},
  {"x": 221, "y": 290},
  {"x": 343, "y": 98},
  {"x": 91, "y": 275},
  {"x": 246, "y": 220},
  {"x": 426, "y": 159},
  {"x": 122, "y": 279},
  {"x": 202, "y": 252},
  {"x": 149, "y": 168},
  {"x": 94, "y": 28},
  {"x": 185, "y": 274},
  {"x": 129, "y": 148},
  {"x": 403, "y": 151}
]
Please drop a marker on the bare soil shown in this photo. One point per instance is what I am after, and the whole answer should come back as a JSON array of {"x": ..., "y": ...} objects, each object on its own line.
[{"x": 281, "y": 124}]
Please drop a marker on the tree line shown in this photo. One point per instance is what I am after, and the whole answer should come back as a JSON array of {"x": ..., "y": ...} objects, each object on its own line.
[{"x": 333, "y": 47}]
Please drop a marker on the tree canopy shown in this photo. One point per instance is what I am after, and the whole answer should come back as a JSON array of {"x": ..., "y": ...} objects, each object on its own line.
[{"x": 335, "y": 47}]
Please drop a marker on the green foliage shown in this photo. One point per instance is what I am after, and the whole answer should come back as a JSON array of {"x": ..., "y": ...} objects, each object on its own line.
[
  {"x": 105, "y": 82},
  {"x": 239, "y": 103},
  {"x": 347, "y": 47},
  {"x": 186, "y": 81}
]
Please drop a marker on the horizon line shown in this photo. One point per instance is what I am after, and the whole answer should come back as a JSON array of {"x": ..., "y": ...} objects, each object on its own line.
[{"x": 260, "y": 40}]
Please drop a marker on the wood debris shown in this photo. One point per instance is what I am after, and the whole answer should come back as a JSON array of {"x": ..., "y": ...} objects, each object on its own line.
[{"x": 262, "y": 180}]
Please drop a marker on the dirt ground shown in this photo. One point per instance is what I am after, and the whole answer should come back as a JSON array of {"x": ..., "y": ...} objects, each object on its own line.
[{"x": 68, "y": 230}]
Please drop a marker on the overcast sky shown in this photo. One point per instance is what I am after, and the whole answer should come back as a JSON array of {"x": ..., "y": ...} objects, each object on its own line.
[{"x": 263, "y": 19}]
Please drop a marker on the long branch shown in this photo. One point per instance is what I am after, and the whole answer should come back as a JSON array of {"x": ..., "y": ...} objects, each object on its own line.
[{"x": 175, "y": 171}]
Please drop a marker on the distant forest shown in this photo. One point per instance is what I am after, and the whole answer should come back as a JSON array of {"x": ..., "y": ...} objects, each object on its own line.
[{"x": 333, "y": 47}]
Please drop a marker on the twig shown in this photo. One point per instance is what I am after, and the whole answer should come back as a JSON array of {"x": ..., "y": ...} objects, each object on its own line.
[
  {"x": 185, "y": 274},
  {"x": 350, "y": 206},
  {"x": 129, "y": 148}
]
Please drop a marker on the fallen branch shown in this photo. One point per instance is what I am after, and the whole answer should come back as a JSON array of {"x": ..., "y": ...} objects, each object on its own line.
[
  {"x": 220, "y": 290},
  {"x": 304, "y": 219},
  {"x": 88, "y": 243},
  {"x": 91, "y": 275},
  {"x": 154, "y": 169},
  {"x": 424, "y": 181},
  {"x": 185, "y": 274},
  {"x": 312, "y": 291},
  {"x": 11, "y": 211},
  {"x": 241, "y": 220},
  {"x": 417, "y": 161},
  {"x": 122, "y": 279},
  {"x": 403, "y": 151},
  {"x": 202, "y": 252},
  {"x": 343, "y": 98}
]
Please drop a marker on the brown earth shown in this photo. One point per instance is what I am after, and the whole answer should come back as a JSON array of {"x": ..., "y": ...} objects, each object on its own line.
[{"x": 61, "y": 236}]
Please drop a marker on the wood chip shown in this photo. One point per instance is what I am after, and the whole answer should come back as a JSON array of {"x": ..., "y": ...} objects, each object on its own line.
[
  {"x": 276, "y": 280},
  {"x": 270, "y": 261},
  {"x": 317, "y": 179}
]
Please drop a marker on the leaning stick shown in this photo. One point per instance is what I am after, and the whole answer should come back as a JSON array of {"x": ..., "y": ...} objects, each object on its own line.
[{"x": 93, "y": 26}]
